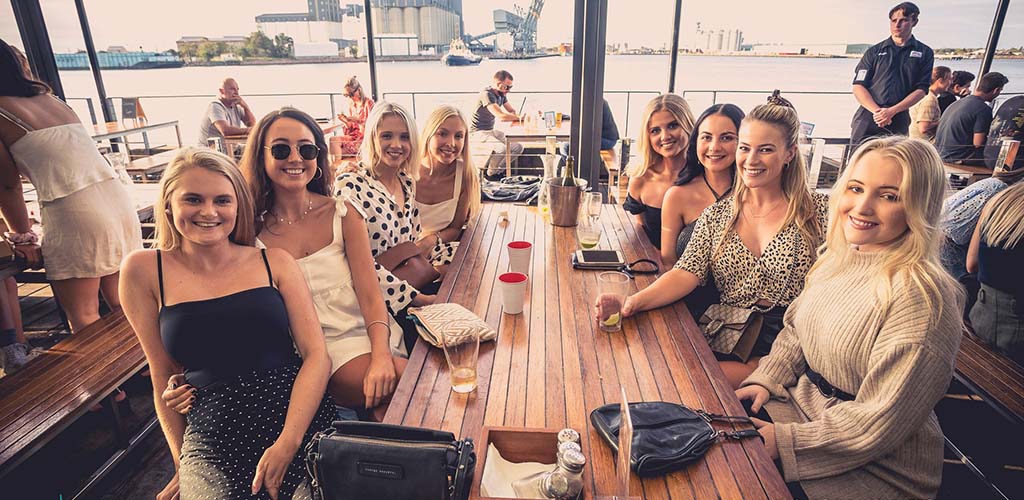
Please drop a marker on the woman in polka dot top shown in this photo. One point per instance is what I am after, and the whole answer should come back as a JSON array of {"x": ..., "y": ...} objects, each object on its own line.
[{"x": 383, "y": 190}]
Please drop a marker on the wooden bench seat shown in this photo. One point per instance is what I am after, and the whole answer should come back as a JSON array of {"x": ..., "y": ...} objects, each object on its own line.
[
  {"x": 62, "y": 384},
  {"x": 994, "y": 377}
]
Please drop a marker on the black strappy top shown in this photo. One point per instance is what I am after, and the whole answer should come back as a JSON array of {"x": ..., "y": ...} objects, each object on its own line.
[
  {"x": 223, "y": 337},
  {"x": 651, "y": 217}
]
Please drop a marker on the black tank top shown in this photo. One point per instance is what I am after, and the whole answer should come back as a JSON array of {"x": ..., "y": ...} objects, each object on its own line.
[
  {"x": 651, "y": 218},
  {"x": 223, "y": 337}
]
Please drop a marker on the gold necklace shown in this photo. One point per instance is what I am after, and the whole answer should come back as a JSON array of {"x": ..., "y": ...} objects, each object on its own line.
[
  {"x": 301, "y": 217},
  {"x": 763, "y": 215}
]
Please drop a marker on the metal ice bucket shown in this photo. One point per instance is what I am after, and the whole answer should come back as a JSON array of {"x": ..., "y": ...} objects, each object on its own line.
[{"x": 565, "y": 201}]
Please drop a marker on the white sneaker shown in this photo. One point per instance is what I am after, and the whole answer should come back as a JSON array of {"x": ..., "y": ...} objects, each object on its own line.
[{"x": 15, "y": 356}]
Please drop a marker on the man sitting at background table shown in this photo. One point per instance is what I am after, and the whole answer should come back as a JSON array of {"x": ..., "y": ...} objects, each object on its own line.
[
  {"x": 490, "y": 104},
  {"x": 227, "y": 115},
  {"x": 963, "y": 129}
]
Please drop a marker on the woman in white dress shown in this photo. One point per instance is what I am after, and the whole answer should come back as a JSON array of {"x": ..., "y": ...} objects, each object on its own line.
[
  {"x": 88, "y": 216},
  {"x": 448, "y": 189}
]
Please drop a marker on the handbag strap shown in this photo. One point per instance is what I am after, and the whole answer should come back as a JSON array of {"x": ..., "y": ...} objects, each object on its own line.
[
  {"x": 629, "y": 269},
  {"x": 459, "y": 489},
  {"x": 745, "y": 433},
  {"x": 723, "y": 418}
]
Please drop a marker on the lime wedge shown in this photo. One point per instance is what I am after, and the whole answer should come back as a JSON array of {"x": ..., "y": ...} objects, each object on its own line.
[{"x": 612, "y": 320}]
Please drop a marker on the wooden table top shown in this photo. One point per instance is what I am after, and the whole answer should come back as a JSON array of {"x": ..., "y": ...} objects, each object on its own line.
[
  {"x": 967, "y": 170},
  {"x": 551, "y": 366},
  {"x": 517, "y": 131}
]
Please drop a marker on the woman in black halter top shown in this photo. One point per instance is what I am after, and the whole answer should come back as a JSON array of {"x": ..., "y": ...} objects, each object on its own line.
[
  {"x": 668, "y": 123},
  {"x": 232, "y": 317}
]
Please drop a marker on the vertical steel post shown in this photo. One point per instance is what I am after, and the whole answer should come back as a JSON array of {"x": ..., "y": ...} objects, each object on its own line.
[
  {"x": 90, "y": 48},
  {"x": 36, "y": 40},
  {"x": 993, "y": 37},
  {"x": 371, "y": 50},
  {"x": 590, "y": 163},
  {"x": 675, "y": 47},
  {"x": 579, "y": 17}
]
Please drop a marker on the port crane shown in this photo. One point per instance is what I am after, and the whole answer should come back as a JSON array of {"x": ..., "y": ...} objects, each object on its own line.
[{"x": 522, "y": 25}]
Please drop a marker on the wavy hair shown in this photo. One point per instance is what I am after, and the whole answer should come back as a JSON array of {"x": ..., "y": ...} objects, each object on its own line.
[
  {"x": 370, "y": 153},
  {"x": 694, "y": 168},
  {"x": 167, "y": 235},
  {"x": 914, "y": 255},
  {"x": 470, "y": 175},
  {"x": 254, "y": 160},
  {"x": 679, "y": 109},
  {"x": 800, "y": 207},
  {"x": 1000, "y": 223}
]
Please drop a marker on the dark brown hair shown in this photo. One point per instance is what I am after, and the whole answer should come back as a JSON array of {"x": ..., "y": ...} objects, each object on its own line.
[{"x": 14, "y": 81}]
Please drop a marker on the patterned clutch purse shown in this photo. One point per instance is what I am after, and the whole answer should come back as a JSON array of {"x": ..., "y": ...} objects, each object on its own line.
[
  {"x": 731, "y": 330},
  {"x": 457, "y": 321}
]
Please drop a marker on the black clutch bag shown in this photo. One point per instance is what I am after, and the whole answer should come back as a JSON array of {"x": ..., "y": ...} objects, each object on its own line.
[
  {"x": 666, "y": 436},
  {"x": 360, "y": 460}
]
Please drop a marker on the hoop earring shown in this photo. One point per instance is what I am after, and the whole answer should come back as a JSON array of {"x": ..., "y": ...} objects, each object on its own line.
[
  {"x": 319, "y": 174},
  {"x": 167, "y": 211},
  {"x": 785, "y": 165}
]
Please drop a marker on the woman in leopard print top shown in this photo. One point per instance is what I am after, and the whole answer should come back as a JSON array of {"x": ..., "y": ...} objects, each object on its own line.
[{"x": 759, "y": 244}]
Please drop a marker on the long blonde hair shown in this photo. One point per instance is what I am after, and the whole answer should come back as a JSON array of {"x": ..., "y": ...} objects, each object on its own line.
[
  {"x": 915, "y": 254},
  {"x": 800, "y": 207},
  {"x": 370, "y": 153},
  {"x": 1000, "y": 220},
  {"x": 167, "y": 236},
  {"x": 680, "y": 110},
  {"x": 470, "y": 175}
]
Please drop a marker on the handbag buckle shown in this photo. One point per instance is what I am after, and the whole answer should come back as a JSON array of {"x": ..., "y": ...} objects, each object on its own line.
[{"x": 712, "y": 328}]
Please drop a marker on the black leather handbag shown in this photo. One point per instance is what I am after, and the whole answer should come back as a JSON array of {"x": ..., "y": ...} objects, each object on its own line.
[
  {"x": 666, "y": 436},
  {"x": 361, "y": 460}
]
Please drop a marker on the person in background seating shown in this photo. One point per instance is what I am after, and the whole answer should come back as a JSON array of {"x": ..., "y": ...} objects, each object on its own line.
[
  {"x": 996, "y": 253},
  {"x": 963, "y": 130},
  {"x": 960, "y": 213},
  {"x": 359, "y": 107},
  {"x": 924, "y": 116},
  {"x": 229, "y": 114},
  {"x": 492, "y": 104},
  {"x": 757, "y": 244},
  {"x": 845, "y": 399},
  {"x": 668, "y": 124},
  {"x": 88, "y": 215},
  {"x": 1007, "y": 123},
  {"x": 448, "y": 189},
  {"x": 892, "y": 76},
  {"x": 959, "y": 88}
]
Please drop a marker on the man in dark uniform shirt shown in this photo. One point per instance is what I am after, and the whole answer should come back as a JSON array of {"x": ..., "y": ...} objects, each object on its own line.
[{"x": 892, "y": 76}]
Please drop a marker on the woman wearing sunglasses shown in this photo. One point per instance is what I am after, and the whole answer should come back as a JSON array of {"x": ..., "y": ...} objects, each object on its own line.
[
  {"x": 359, "y": 107},
  {"x": 284, "y": 164}
]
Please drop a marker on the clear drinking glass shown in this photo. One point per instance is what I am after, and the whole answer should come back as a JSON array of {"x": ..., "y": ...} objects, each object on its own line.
[
  {"x": 592, "y": 203},
  {"x": 461, "y": 349},
  {"x": 544, "y": 201},
  {"x": 588, "y": 231},
  {"x": 613, "y": 287}
]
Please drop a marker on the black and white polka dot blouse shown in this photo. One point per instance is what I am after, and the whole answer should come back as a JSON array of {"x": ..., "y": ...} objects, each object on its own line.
[{"x": 387, "y": 223}]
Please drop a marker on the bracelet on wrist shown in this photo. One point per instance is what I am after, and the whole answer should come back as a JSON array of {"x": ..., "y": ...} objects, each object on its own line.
[
  {"x": 382, "y": 322},
  {"x": 26, "y": 238}
]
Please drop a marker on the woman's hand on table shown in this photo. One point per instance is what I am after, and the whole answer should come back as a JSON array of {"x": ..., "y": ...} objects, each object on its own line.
[
  {"x": 31, "y": 253},
  {"x": 178, "y": 394},
  {"x": 757, "y": 395},
  {"x": 608, "y": 304},
  {"x": 767, "y": 431},
  {"x": 380, "y": 379}
]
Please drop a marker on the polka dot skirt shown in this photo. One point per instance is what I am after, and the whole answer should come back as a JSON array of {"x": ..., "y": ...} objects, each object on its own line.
[
  {"x": 387, "y": 223},
  {"x": 230, "y": 426}
]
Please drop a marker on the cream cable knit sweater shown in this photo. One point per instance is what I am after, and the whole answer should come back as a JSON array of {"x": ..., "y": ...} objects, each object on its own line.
[{"x": 897, "y": 362}]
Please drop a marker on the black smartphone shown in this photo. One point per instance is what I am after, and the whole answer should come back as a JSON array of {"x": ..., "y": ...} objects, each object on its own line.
[{"x": 598, "y": 259}]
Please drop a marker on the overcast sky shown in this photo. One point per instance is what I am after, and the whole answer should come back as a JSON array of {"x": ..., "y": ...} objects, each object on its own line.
[{"x": 155, "y": 25}]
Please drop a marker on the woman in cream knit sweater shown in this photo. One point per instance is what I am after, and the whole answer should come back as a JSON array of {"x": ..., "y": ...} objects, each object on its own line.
[{"x": 868, "y": 347}]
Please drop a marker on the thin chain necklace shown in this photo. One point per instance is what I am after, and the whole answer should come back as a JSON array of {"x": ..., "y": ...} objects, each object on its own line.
[
  {"x": 713, "y": 192},
  {"x": 301, "y": 217},
  {"x": 763, "y": 214}
]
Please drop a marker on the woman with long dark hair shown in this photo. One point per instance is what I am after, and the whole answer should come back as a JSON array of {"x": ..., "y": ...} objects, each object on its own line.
[
  {"x": 706, "y": 177},
  {"x": 88, "y": 216}
]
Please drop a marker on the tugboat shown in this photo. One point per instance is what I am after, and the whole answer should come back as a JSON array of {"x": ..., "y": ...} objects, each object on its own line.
[{"x": 460, "y": 55}]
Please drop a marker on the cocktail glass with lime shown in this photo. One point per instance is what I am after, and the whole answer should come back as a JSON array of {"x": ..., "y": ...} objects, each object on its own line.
[{"x": 614, "y": 288}]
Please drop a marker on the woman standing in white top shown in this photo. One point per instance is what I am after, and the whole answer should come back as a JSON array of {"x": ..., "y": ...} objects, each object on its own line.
[
  {"x": 88, "y": 216},
  {"x": 448, "y": 190}
]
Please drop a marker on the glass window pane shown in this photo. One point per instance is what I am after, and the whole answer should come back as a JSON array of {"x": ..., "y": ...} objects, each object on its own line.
[{"x": 1009, "y": 58}]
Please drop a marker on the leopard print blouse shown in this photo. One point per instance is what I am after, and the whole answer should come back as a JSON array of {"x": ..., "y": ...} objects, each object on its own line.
[{"x": 742, "y": 279}]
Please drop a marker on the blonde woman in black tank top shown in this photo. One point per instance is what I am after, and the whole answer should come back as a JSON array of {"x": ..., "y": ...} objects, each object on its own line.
[{"x": 232, "y": 318}]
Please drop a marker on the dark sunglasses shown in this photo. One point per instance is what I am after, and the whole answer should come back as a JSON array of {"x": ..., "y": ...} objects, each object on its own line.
[{"x": 283, "y": 151}]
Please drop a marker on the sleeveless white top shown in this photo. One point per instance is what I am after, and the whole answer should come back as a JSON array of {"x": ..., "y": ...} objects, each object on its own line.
[
  {"x": 58, "y": 160},
  {"x": 438, "y": 216},
  {"x": 330, "y": 281}
]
